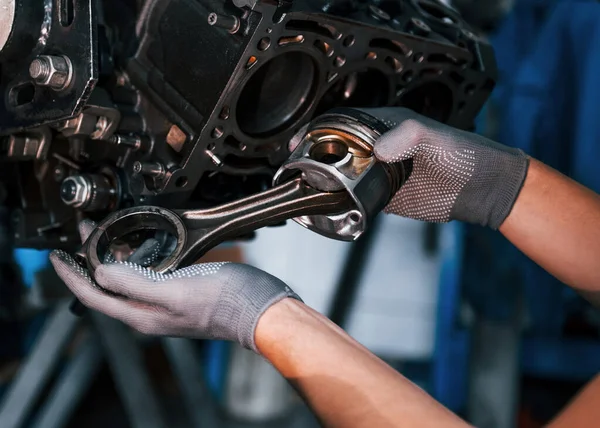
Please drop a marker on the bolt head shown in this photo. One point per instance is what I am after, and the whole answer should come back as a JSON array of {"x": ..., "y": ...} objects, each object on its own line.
[
  {"x": 137, "y": 167},
  {"x": 75, "y": 191},
  {"x": 52, "y": 71},
  {"x": 419, "y": 27},
  {"x": 378, "y": 13},
  {"x": 421, "y": 24},
  {"x": 38, "y": 69}
]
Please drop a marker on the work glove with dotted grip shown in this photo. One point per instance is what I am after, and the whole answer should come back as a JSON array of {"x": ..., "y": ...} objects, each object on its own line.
[
  {"x": 206, "y": 301},
  {"x": 456, "y": 175}
]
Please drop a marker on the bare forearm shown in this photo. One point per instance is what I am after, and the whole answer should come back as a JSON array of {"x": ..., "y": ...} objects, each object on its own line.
[
  {"x": 556, "y": 223},
  {"x": 342, "y": 381},
  {"x": 583, "y": 411}
]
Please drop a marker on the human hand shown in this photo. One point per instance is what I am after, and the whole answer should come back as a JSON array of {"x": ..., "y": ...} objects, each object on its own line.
[
  {"x": 456, "y": 175},
  {"x": 208, "y": 301}
]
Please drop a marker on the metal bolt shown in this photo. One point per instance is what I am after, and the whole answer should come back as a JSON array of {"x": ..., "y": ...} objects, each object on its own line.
[
  {"x": 150, "y": 169},
  {"x": 55, "y": 72},
  {"x": 379, "y": 14},
  {"x": 39, "y": 69},
  {"x": 76, "y": 191},
  {"x": 421, "y": 24},
  {"x": 228, "y": 22},
  {"x": 418, "y": 27},
  {"x": 130, "y": 141},
  {"x": 217, "y": 132},
  {"x": 89, "y": 192},
  {"x": 214, "y": 158}
]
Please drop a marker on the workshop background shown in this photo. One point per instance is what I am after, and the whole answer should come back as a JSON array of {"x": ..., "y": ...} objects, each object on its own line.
[{"x": 455, "y": 308}]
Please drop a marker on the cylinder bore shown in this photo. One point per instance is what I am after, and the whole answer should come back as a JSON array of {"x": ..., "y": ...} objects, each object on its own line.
[
  {"x": 277, "y": 95},
  {"x": 364, "y": 88},
  {"x": 431, "y": 99}
]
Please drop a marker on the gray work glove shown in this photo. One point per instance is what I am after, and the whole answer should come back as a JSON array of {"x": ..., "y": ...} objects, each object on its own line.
[
  {"x": 456, "y": 175},
  {"x": 207, "y": 301}
]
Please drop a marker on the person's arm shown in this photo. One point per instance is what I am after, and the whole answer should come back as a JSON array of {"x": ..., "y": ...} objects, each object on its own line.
[
  {"x": 584, "y": 411},
  {"x": 458, "y": 175},
  {"x": 463, "y": 176},
  {"x": 343, "y": 382},
  {"x": 556, "y": 222}
]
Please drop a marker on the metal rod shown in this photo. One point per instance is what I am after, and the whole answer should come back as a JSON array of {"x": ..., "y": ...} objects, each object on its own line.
[
  {"x": 36, "y": 371},
  {"x": 127, "y": 365},
  {"x": 71, "y": 386},
  {"x": 185, "y": 365}
]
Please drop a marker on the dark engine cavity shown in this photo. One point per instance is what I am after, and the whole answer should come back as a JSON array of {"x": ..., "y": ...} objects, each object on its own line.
[{"x": 191, "y": 103}]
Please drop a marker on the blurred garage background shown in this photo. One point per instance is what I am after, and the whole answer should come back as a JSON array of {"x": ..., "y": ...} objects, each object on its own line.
[{"x": 455, "y": 308}]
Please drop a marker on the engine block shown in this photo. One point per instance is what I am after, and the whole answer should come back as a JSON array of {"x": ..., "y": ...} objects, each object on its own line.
[{"x": 191, "y": 103}]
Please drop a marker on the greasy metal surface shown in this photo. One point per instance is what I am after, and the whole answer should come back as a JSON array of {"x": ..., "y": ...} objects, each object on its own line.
[
  {"x": 197, "y": 231},
  {"x": 7, "y": 16},
  {"x": 154, "y": 82},
  {"x": 353, "y": 57}
]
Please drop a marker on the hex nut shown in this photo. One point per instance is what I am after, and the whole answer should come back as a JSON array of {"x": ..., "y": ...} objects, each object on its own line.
[{"x": 55, "y": 72}]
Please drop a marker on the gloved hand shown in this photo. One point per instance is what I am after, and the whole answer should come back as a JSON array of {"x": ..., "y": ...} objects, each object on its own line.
[
  {"x": 456, "y": 175},
  {"x": 208, "y": 301}
]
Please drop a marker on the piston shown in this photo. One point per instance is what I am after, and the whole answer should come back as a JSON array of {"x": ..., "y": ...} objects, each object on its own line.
[{"x": 336, "y": 154}]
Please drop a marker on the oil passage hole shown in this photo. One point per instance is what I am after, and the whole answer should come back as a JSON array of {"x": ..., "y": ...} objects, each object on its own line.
[
  {"x": 181, "y": 181},
  {"x": 66, "y": 12},
  {"x": 264, "y": 44},
  {"x": 329, "y": 152},
  {"x": 21, "y": 95}
]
